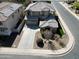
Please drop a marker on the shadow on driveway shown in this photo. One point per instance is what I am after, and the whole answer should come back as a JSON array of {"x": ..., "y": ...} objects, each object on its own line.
[
  {"x": 33, "y": 26},
  {"x": 7, "y": 41}
]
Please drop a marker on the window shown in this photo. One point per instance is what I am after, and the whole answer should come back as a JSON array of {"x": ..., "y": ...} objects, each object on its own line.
[
  {"x": 28, "y": 12},
  {"x": 0, "y": 23},
  {"x": 12, "y": 16},
  {"x": 3, "y": 29},
  {"x": 42, "y": 13},
  {"x": 36, "y": 13},
  {"x": 18, "y": 10}
]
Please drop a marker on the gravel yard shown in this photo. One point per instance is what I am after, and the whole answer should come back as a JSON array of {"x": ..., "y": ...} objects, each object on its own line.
[{"x": 51, "y": 44}]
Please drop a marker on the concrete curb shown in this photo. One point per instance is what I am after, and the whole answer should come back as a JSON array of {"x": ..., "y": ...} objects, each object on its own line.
[
  {"x": 71, "y": 42},
  {"x": 69, "y": 10}
]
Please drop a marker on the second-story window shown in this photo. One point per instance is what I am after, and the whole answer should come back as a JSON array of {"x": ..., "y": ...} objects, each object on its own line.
[
  {"x": 28, "y": 12},
  {"x": 1, "y": 23},
  {"x": 3, "y": 29},
  {"x": 18, "y": 10}
]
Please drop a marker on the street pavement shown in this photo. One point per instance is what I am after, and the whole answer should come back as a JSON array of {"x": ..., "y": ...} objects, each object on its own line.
[{"x": 73, "y": 24}]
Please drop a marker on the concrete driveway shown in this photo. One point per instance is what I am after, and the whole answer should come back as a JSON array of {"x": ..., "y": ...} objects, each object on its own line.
[{"x": 28, "y": 38}]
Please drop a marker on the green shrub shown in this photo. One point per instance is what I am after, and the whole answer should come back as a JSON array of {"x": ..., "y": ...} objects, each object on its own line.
[
  {"x": 75, "y": 5},
  {"x": 60, "y": 32}
]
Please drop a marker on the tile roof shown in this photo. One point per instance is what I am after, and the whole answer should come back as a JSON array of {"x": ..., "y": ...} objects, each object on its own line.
[
  {"x": 40, "y": 6},
  {"x": 6, "y": 9},
  {"x": 51, "y": 23}
]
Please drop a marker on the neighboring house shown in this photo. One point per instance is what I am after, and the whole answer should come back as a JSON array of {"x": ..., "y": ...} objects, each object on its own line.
[
  {"x": 10, "y": 15},
  {"x": 38, "y": 11}
]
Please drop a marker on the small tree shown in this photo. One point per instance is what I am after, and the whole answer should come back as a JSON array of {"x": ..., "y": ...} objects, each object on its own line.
[
  {"x": 76, "y": 7},
  {"x": 21, "y": 1},
  {"x": 25, "y": 2}
]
